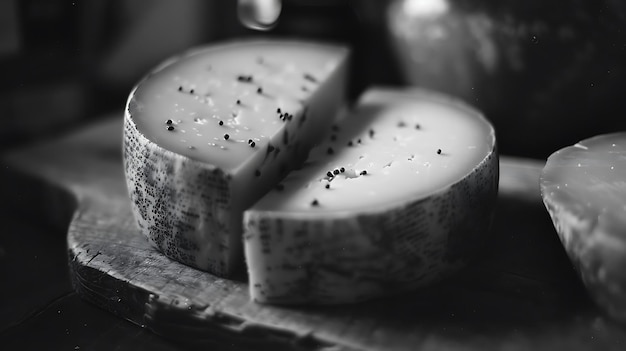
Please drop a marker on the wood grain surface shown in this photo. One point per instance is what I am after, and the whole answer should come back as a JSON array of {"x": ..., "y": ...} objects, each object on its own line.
[{"x": 521, "y": 294}]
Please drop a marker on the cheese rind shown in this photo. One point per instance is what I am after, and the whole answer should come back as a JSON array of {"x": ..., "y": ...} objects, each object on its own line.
[
  {"x": 305, "y": 245},
  {"x": 188, "y": 182},
  {"x": 584, "y": 190}
]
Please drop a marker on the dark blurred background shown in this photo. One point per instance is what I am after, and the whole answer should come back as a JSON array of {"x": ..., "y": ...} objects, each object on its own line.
[{"x": 548, "y": 73}]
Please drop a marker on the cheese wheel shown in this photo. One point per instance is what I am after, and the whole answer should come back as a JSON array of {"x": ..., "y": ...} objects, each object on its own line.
[
  {"x": 208, "y": 133},
  {"x": 398, "y": 195},
  {"x": 584, "y": 190}
]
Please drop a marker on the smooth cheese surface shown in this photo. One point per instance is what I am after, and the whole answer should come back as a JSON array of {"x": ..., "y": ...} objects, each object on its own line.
[
  {"x": 220, "y": 105},
  {"x": 590, "y": 176},
  {"x": 394, "y": 147}
]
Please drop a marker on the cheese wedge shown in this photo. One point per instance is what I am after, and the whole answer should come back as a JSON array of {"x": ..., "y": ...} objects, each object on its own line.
[
  {"x": 208, "y": 133},
  {"x": 584, "y": 190},
  {"x": 398, "y": 195}
]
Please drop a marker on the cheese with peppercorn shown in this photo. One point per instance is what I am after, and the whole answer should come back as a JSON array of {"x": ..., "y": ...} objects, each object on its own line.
[
  {"x": 398, "y": 195},
  {"x": 208, "y": 133}
]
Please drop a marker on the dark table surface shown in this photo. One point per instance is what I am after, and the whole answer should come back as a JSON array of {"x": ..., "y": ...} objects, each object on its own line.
[{"x": 39, "y": 309}]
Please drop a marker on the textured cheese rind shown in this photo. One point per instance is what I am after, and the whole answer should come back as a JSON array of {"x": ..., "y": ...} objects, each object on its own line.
[
  {"x": 157, "y": 180},
  {"x": 593, "y": 237},
  {"x": 326, "y": 258},
  {"x": 191, "y": 210}
]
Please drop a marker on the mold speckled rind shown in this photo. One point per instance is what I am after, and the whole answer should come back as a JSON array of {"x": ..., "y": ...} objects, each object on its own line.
[
  {"x": 346, "y": 257},
  {"x": 191, "y": 210},
  {"x": 593, "y": 234}
]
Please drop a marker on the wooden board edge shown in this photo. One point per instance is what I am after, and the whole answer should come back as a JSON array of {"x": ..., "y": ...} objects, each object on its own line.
[{"x": 191, "y": 326}]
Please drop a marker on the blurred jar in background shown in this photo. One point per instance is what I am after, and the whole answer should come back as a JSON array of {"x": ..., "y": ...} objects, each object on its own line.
[{"x": 546, "y": 72}]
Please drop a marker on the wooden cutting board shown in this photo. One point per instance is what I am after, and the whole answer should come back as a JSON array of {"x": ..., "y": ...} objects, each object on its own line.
[{"x": 521, "y": 294}]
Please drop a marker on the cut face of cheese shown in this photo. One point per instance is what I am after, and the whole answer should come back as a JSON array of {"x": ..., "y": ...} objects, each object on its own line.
[
  {"x": 383, "y": 156},
  {"x": 584, "y": 189},
  {"x": 208, "y": 133},
  {"x": 235, "y": 91},
  {"x": 397, "y": 195}
]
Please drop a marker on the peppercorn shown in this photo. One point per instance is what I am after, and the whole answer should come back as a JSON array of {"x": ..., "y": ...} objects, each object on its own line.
[{"x": 310, "y": 78}]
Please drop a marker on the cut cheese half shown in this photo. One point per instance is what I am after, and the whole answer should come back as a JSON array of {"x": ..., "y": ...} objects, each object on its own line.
[
  {"x": 398, "y": 195},
  {"x": 584, "y": 189},
  {"x": 208, "y": 133}
]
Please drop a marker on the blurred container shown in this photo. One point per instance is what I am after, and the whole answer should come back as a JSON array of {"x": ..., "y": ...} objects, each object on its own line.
[{"x": 546, "y": 72}]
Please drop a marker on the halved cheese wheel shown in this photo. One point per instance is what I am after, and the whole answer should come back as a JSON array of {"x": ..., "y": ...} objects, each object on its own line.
[
  {"x": 400, "y": 194},
  {"x": 208, "y": 133},
  {"x": 584, "y": 189}
]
